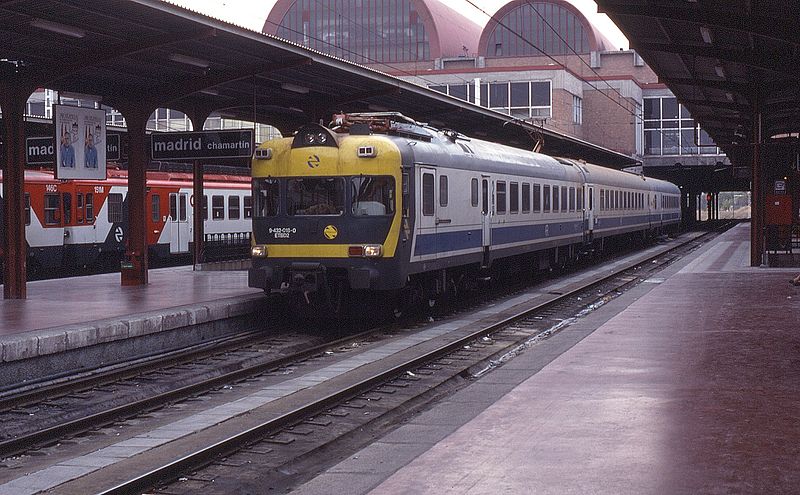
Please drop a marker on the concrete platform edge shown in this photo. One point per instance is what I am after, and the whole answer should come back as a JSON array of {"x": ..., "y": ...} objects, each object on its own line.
[{"x": 48, "y": 352}]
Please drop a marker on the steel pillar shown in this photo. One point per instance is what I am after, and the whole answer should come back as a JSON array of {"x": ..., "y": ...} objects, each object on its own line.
[
  {"x": 134, "y": 271},
  {"x": 12, "y": 102},
  {"x": 757, "y": 211},
  {"x": 199, "y": 221},
  {"x": 198, "y": 115}
]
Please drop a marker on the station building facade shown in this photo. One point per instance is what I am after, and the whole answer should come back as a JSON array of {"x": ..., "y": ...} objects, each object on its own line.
[{"x": 542, "y": 61}]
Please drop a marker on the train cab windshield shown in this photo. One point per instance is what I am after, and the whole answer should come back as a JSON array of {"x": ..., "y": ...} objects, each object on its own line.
[
  {"x": 372, "y": 195},
  {"x": 315, "y": 196},
  {"x": 366, "y": 195}
]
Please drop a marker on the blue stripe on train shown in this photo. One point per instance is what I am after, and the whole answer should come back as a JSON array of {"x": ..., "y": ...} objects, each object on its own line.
[{"x": 443, "y": 242}]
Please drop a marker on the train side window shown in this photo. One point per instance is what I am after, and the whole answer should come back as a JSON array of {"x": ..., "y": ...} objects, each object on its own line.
[
  {"x": 233, "y": 207},
  {"x": 474, "y": 192},
  {"x": 67, "y": 201},
  {"x": 79, "y": 207},
  {"x": 155, "y": 208},
  {"x": 52, "y": 206},
  {"x": 248, "y": 207},
  {"x": 537, "y": 198},
  {"x": 513, "y": 197},
  {"x": 114, "y": 208},
  {"x": 580, "y": 199},
  {"x": 27, "y": 208},
  {"x": 546, "y": 196},
  {"x": 485, "y": 195},
  {"x": 564, "y": 199},
  {"x": 571, "y": 199},
  {"x": 602, "y": 199},
  {"x": 173, "y": 207},
  {"x": 217, "y": 207},
  {"x": 182, "y": 207},
  {"x": 501, "y": 197},
  {"x": 89, "y": 202},
  {"x": 427, "y": 195},
  {"x": 556, "y": 198},
  {"x": 526, "y": 197},
  {"x": 442, "y": 190}
]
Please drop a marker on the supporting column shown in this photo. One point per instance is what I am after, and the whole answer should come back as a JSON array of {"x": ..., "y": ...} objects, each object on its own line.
[
  {"x": 12, "y": 100},
  {"x": 199, "y": 221},
  {"x": 134, "y": 272},
  {"x": 756, "y": 222},
  {"x": 198, "y": 116}
]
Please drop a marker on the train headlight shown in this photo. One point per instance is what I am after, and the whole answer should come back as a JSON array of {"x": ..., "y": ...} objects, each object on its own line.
[
  {"x": 373, "y": 251},
  {"x": 365, "y": 251},
  {"x": 258, "y": 251}
]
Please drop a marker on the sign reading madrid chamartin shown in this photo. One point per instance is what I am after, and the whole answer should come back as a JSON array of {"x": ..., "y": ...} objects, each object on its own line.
[{"x": 202, "y": 145}]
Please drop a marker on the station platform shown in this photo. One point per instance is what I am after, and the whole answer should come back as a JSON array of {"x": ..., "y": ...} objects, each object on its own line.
[
  {"x": 687, "y": 383},
  {"x": 65, "y": 314}
]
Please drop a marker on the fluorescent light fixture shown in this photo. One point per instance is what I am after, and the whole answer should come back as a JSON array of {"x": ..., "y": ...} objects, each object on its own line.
[
  {"x": 55, "y": 27},
  {"x": 212, "y": 92},
  {"x": 80, "y": 96},
  {"x": 294, "y": 88},
  {"x": 720, "y": 72},
  {"x": 185, "y": 59},
  {"x": 706, "y": 34}
]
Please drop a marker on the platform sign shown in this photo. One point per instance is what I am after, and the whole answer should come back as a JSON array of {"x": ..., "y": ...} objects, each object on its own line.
[
  {"x": 80, "y": 135},
  {"x": 202, "y": 145},
  {"x": 39, "y": 150},
  {"x": 780, "y": 187},
  {"x": 113, "y": 148}
]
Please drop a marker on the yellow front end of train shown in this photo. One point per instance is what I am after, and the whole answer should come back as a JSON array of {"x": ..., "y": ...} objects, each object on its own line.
[{"x": 327, "y": 214}]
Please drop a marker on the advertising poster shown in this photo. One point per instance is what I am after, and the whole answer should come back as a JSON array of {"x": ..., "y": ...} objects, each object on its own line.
[{"x": 80, "y": 137}]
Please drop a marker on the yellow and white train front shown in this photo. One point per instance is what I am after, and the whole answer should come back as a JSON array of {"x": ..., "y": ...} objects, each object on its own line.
[{"x": 326, "y": 213}]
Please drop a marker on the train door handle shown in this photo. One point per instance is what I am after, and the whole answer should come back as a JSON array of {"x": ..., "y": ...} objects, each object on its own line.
[{"x": 443, "y": 220}]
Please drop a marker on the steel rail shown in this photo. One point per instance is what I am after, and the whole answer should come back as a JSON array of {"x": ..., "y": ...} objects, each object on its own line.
[
  {"x": 78, "y": 425},
  {"x": 235, "y": 442}
]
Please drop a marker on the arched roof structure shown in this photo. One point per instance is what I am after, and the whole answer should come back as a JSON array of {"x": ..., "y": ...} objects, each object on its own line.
[
  {"x": 375, "y": 31},
  {"x": 551, "y": 26}
]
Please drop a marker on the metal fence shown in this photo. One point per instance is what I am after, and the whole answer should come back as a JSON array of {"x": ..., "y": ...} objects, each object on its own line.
[{"x": 227, "y": 246}]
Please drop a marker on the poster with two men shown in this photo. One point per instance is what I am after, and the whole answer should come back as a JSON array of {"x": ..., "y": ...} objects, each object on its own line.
[{"x": 80, "y": 142}]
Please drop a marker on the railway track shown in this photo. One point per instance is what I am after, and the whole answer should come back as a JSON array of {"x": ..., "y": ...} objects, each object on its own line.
[{"x": 432, "y": 357}]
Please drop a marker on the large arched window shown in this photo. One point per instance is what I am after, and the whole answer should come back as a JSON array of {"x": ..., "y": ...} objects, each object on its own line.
[
  {"x": 362, "y": 31},
  {"x": 540, "y": 23}
]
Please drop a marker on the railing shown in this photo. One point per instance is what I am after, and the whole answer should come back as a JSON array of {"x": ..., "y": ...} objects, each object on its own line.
[{"x": 227, "y": 246}]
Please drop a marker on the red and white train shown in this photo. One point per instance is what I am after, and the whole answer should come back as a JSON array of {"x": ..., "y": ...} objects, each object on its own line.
[{"x": 84, "y": 223}]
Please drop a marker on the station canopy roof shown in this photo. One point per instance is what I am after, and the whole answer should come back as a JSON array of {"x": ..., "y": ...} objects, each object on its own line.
[
  {"x": 147, "y": 54},
  {"x": 727, "y": 61}
]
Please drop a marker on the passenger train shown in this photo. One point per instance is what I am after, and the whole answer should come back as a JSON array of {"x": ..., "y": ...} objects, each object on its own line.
[
  {"x": 380, "y": 203},
  {"x": 84, "y": 223}
]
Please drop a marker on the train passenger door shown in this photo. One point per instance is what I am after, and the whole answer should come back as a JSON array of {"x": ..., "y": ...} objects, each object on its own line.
[
  {"x": 179, "y": 222},
  {"x": 486, "y": 217},
  {"x": 427, "y": 243}
]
